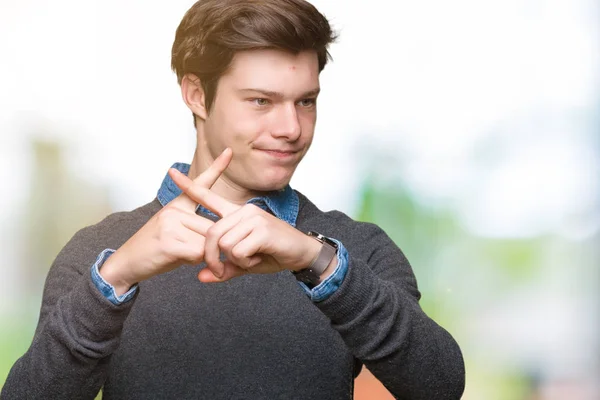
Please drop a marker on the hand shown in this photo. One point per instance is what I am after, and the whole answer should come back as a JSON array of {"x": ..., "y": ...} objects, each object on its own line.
[
  {"x": 252, "y": 240},
  {"x": 173, "y": 236}
]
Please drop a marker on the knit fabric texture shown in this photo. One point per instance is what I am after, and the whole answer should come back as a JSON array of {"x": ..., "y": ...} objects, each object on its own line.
[{"x": 253, "y": 337}]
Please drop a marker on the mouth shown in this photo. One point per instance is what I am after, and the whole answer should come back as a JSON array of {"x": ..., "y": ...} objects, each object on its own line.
[{"x": 279, "y": 154}]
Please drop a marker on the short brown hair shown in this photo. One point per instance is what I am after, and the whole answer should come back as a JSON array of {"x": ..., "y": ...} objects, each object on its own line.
[{"x": 212, "y": 31}]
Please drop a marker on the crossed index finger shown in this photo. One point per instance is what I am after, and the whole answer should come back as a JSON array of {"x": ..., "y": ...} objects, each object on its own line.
[
  {"x": 205, "y": 180},
  {"x": 209, "y": 199}
]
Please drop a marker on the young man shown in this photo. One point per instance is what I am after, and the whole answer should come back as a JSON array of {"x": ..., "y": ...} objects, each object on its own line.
[{"x": 229, "y": 284}]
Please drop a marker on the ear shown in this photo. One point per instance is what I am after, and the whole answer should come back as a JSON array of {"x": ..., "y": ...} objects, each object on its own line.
[{"x": 193, "y": 95}]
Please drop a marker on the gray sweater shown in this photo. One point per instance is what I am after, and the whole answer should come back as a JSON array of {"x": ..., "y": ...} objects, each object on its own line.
[{"x": 254, "y": 337}]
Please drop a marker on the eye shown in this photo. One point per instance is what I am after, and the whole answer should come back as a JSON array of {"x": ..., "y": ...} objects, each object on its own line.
[
  {"x": 260, "y": 102},
  {"x": 308, "y": 102}
]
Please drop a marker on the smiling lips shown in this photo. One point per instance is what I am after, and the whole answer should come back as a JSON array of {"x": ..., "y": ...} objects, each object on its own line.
[{"x": 279, "y": 154}]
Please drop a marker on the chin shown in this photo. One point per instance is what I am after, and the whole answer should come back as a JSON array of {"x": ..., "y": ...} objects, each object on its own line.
[
  {"x": 270, "y": 185},
  {"x": 276, "y": 180}
]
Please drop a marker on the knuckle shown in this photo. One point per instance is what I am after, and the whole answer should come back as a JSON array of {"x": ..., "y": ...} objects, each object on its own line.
[
  {"x": 193, "y": 254},
  {"x": 198, "y": 254},
  {"x": 212, "y": 230},
  {"x": 225, "y": 244},
  {"x": 238, "y": 253}
]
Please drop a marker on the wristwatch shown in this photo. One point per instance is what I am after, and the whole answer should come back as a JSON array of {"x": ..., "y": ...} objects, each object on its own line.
[{"x": 311, "y": 276}]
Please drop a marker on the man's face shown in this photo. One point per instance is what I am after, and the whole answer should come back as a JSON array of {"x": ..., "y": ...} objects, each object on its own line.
[{"x": 265, "y": 110}]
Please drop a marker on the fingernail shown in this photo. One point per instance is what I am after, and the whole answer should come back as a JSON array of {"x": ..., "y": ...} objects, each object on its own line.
[{"x": 254, "y": 261}]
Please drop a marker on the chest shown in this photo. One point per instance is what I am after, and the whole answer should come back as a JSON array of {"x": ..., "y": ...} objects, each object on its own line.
[{"x": 258, "y": 335}]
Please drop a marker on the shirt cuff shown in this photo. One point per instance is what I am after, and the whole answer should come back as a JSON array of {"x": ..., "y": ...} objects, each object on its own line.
[
  {"x": 328, "y": 287},
  {"x": 106, "y": 288}
]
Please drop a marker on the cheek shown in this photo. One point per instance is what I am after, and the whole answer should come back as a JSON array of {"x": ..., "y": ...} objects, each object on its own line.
[
  {"x": 307, "y": 123},
  {"x": 229, "y": 128},
  {"x": 245, "y": 125}
]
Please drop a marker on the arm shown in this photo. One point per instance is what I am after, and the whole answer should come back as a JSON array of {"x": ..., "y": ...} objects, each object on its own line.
[
  {"x": 77, "y": 332},
  {"x": 376, "y": 311},
  {"x": 80, "y": 326},
  {"x": 376, "y": 308}
]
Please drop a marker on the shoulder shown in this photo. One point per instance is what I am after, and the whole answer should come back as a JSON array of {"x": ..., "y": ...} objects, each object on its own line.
[
  {"x": 309, "y": 215},
  {"x": 120, "y": 223},
  {"x": 359, "y": 238}
]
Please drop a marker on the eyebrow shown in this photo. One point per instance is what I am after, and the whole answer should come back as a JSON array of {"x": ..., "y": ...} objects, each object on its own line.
[{"x": 279, "y": 95}]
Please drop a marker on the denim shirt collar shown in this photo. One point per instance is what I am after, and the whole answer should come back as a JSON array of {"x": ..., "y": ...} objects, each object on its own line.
[{"x": 282, "y": 203}]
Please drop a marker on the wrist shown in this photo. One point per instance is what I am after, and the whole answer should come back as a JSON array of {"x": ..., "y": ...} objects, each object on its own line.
[
  {"x": 112, "y": 271},
  {"x": 322, "y": 265},
  {"x": 330, "y": 268},
  {"x": 311, "y": 251}
]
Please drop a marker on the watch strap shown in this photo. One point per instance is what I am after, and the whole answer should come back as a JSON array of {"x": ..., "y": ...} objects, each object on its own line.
[
  {"x": 312, "y": 275},
  {"x": 320, "y": 264}
]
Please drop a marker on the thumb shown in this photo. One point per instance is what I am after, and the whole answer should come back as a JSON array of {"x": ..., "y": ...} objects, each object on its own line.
[{"x": 230, "y": 271}]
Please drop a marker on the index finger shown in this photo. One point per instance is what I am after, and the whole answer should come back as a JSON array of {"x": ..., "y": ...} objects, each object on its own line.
[
  {"x": 207, "y": 198},
  {"x": 205, "y": 180}
]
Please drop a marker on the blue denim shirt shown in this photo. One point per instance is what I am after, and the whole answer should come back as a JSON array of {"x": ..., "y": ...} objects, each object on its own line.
[{"x": 283, "y": 204}]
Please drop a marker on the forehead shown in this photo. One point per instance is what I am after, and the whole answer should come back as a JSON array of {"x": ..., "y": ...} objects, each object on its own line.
[{"x": 274, "y": 70}]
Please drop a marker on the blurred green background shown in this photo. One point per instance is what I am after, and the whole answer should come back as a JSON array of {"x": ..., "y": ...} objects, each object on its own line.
[{"x": 470, "y": 132}]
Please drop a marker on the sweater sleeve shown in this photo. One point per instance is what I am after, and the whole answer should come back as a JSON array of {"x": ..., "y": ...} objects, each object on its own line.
[
  {"x": 377, "y": 313},
  {"x": 77, "y": 332}
]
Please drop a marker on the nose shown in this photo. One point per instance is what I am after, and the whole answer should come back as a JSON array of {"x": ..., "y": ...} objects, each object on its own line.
[{"x": 287, "y": 126}]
